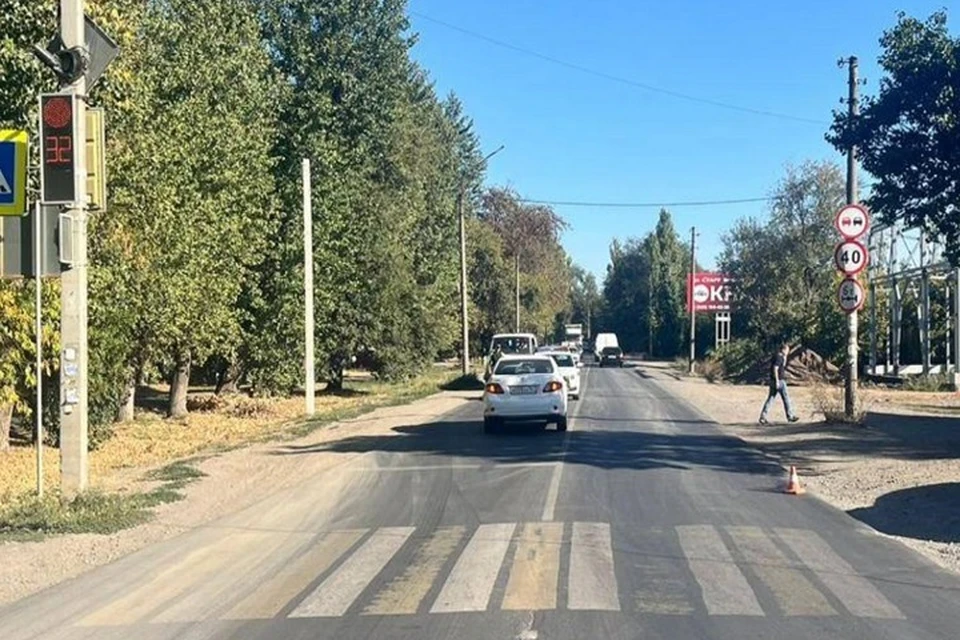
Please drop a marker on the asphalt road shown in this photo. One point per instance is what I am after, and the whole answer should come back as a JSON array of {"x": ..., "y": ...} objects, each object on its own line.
[{"x": 642, "y": 521}]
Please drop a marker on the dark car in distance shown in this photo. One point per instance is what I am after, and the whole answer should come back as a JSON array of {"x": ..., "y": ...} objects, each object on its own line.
[{"x": 611, "y": 357}]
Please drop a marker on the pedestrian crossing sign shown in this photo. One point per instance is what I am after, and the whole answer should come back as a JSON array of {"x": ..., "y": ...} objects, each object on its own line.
[{"x": 13, "y": 172}]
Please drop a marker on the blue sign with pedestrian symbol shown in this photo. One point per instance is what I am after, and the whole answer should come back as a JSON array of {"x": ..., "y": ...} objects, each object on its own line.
[{"x": 13, "y": 172}]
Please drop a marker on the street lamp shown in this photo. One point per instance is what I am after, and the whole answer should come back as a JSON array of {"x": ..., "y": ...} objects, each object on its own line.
[{"x": 464, "y": 322}]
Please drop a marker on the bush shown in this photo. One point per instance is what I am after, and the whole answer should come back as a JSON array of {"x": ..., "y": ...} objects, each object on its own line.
[
  {"x": 931, "y": 383},
  {"x": 830, "y": 402},
  {"x": 737, "y": 357},
  {"x": 711, "y": 369}
]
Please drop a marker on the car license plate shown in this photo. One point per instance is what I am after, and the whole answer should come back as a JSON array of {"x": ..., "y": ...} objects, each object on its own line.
[{"x": 523, "y": 390}]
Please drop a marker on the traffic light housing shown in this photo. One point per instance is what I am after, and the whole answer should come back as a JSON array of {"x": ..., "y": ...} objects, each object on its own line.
[{"x": 58, "y": 148}]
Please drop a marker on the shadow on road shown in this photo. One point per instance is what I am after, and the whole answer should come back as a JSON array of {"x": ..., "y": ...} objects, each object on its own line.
[
  {"x": 608, "y": 449},
  {"x": 930, "y": 512},
  {"x": 894, "y": 436}
]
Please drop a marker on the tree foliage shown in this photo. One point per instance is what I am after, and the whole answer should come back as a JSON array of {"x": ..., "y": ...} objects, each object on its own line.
[
  {"x": 645, "y": 291},
  {"x": 909, "y": 133},
  {"x": 197, "y": 268},
  {"x": 784, "y": 280}
]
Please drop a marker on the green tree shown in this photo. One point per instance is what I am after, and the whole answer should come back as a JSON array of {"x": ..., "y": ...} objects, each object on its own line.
[
  {"x": 645, "y": 291},
  {"x": 193, "y": 180},
  {"x": 783, "y": 276},
  {"x": 531, "y": 234},
  {"x": 907, "y": 135}
]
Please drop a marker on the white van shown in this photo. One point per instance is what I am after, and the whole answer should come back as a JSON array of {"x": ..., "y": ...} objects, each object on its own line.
[
  {"x": 603, "y": 341},
  {"x": 510, "y": 344}
]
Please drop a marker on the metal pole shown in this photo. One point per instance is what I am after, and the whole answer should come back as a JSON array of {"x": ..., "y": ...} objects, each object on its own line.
[
  {"x": 38, "y": 330},
  {"x": 925, "y": 321},
  {"x": 948, "y": 356},
  {"x": 873, "y": 328},
  {"x": 74, "y": 464},
  {"x": 956, "y": 328},
  {"x": 517, "y": 264},
  {"x": 850, "y": 388},
  {"x": 897, "y": 326},
  {"x": 309, "y": 368},
  {"x": 693, "y": 312},
  {"x": 464, "y": 326}
]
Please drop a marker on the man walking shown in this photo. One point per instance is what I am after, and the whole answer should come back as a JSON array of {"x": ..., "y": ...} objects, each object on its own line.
[{"x": 778, "y": 385}]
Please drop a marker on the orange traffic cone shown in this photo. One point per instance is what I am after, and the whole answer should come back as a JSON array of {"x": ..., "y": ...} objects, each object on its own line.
[{"x": 793, "y": 486}]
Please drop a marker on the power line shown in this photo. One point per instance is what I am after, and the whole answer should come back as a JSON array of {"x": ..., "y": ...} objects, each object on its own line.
[
  {"x": 643, "y": 205},
  {"x": 614, "y": 78}
]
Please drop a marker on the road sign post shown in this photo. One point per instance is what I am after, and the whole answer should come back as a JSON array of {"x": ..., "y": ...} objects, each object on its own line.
[
  {"x": 13, "y": 172},
  {"x": 850, "y": 257},
  {"x": 73, "y": 291}
]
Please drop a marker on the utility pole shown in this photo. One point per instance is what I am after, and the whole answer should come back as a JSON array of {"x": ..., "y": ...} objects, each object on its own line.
[
  {"x": 464, "y": 319},
  {"x": 309, "y": 368},
  {"x": 693, "y": 305},
  {"x": 853, "y": 110},
  {"x": 74, "y": 468},
  {"x": 38, "y": 331},
  {"x": 464, "y": 324},
  {"x": 516, "y": 260}
]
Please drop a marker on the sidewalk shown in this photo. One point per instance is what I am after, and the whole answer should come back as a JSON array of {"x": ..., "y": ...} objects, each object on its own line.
[{"x": 900, "y": 474}]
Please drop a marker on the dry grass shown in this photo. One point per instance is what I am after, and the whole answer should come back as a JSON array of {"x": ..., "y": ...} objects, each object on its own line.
[
  {"x": 151, "y": 441},
  {"x": 830, "y": 402}
]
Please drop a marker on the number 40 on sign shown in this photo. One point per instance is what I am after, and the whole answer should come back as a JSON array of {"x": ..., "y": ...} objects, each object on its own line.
[{"x": 850, "y": 257}]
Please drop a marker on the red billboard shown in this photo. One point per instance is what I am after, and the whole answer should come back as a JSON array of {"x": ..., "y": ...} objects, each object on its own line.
[{"x": 711, "y": 291}]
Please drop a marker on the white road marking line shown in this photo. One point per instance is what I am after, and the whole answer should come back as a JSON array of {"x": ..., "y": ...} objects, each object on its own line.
[
  {"x": 469, "y": 585},
  {"x": 335, "y": 594},
  {"x": 592, "y": 581},
  {"x": 553, "y": 492},
  {"x": 856, "y": 593},
  {"x": 275, "y": 593},
  {"x": 725, "y": 589},
  {"x": 794, "y": 593},
  {"x": 404, "y": 593},
  {"x": 443, "y": 467},
  {"x": 535, "y": 571}
]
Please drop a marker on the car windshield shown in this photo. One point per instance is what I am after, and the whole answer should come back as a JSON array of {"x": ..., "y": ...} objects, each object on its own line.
[
  {"x": 521, "y": 367},
  {"x": 513, "y": 344},
  {"x": 562, "y": 360}
]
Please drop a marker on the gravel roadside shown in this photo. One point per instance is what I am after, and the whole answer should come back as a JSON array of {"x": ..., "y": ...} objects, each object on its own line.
[
  {"x": 900, "y": 474},
  {"x": 235, "y": 480}
]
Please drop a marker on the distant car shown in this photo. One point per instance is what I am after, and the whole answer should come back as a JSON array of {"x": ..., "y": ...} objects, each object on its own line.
[
  {"x": 528, "y": 388},
  {"x": 570, "y": 370},
  {"x": 611, "y": 357}
]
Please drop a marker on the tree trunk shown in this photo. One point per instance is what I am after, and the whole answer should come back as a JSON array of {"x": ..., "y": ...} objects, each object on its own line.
[
  {"x": 178, "y": 387},
  {"x": 6, "y": 417},
  {"x": 228, "y": 378},
  {"x": 335, "y": 383},
  {"x": 125, "y": 411}
]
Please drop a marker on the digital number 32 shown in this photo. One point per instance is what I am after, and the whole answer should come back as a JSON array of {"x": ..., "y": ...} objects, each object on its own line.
[{"x": 59, "y": 149}]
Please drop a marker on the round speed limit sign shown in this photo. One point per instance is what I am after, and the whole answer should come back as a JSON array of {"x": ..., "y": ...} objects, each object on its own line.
[
  {"x": 850, "y": 295},
  {"x": 850, "y": 257}
]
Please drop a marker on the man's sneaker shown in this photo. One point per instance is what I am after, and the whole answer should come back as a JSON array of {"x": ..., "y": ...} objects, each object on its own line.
[
  {"x": 763, "y": 421},
  {"x": 793, "y": 418}
]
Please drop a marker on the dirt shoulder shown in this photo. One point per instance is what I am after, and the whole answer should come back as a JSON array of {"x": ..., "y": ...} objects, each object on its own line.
[
  {"x": 900, "y": 473},
  {"x": 235, "y": 480}
]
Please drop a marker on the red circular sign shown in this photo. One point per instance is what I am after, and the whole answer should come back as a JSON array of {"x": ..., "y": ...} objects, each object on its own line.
[
  {"x": 850, "y": 295},
  {"x": 57, "y": 113},
  {"x": 850, "y": 257},
  {"x": 852, "y": 221}
]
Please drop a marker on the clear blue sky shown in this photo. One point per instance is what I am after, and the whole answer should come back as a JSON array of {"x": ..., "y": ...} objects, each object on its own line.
[{"x": 574, "y": 136}]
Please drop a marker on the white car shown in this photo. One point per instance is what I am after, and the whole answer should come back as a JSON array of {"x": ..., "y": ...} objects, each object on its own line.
[
  {"x": 525, "y": 388},
  {"x": 570, "y": 370}
]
